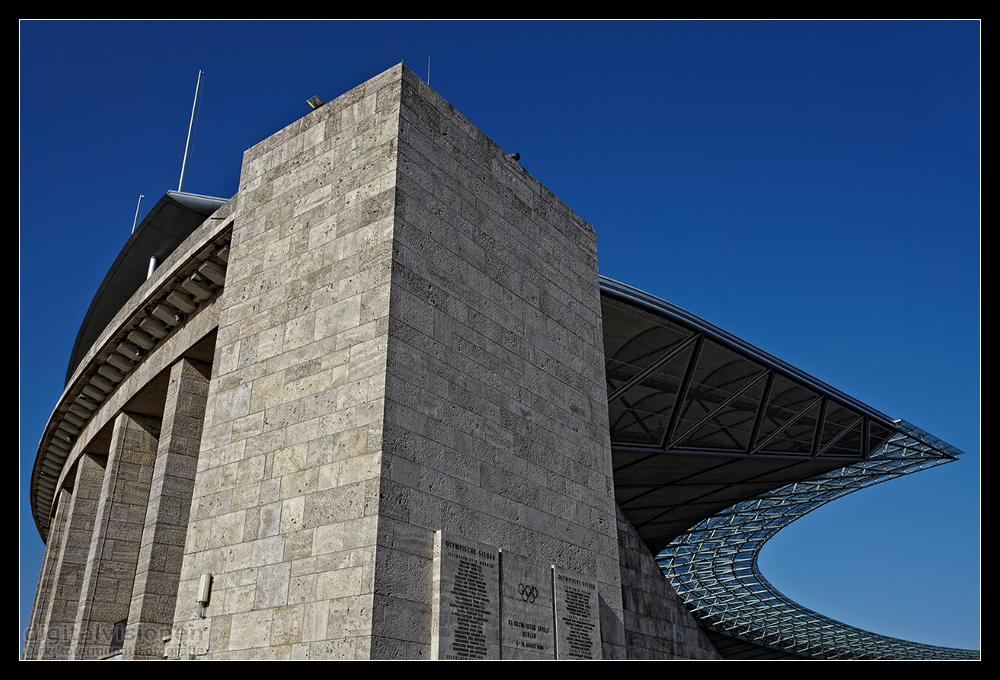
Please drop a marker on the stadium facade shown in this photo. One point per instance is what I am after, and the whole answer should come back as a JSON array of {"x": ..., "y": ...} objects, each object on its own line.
[{"x": 380, "y": 404}]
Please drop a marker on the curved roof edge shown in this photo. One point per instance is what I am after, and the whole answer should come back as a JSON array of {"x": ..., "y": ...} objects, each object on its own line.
[
  {"x": 660, "y": 306},
  {"x": 713, "y": 567},
  {"x": 125, "y": 344},
  {"x": 164, "y": 227}
]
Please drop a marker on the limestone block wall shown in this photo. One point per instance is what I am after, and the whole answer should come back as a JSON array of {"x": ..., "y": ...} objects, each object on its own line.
[
  {"x": 285, "y": 503},
  {"x": 48, "y": 576},
  {"x": 657, "y": 624},
  {"x": 106, "y": 592},
  {"x": 161, "y": 551},
  {"x": 410, "y": 340},
  {"x": 496, "y": 405},
  {"x": 54, "y": 616}
]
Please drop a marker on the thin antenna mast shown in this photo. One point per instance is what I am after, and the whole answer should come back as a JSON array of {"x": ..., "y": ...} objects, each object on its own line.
[
  {"x": 180, "y": 185},
  {"x": 136, "y": 218}
]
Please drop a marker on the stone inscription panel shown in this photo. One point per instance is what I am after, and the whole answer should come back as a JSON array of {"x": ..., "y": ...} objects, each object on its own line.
[
  {"x": 527, "y": 628},
  {"x": 466, "y": 608},
  {"x": 577, "y": 616}
]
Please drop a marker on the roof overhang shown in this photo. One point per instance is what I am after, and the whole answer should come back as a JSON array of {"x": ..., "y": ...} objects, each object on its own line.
[
  {"x": 165, "y": 227},
  {"x": 701, "y": 420},
  {"x": 716, "y": 446}
]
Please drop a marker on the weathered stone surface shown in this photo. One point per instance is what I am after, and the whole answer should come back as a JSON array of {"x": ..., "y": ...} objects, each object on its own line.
[
  {"x": 495, "y": 427},
  {"x": 657, "y": 624},
  {"x": 161, "y": 552},
  {"x": 408, "y": 343},
  {"x": 106, "y": 592}
]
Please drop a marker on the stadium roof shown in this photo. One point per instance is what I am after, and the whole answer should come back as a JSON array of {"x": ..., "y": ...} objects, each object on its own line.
[
  {"x": 716, "y": 447},
  {"x": 167, "y": 224}
]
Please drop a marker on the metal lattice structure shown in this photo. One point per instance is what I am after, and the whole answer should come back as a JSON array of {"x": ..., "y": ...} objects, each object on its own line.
[
  {"x": 716, "y": 446},
  {"x": 713, "y": 567}
]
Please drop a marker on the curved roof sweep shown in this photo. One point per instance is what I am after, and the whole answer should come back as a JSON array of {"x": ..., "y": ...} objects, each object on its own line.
[
  {"x": 717, "y": 446},
  {"x": 714, "y": 568},
  {"x": 167, "y": 224},
  {"x": 171, "y": 297},
  {"x": 701, "y": 420}
]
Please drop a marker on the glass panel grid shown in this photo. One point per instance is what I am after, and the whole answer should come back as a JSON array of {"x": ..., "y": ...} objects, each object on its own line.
[{"x": 713, "y": 567}]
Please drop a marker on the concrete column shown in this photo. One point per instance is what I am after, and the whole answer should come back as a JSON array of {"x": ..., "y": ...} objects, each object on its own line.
[
  {"x": 69, "y": 544},
  {"x": 161, "y": 552},
  {"x": 114, "y": 548},
  {"x": 43, "y": 594}
]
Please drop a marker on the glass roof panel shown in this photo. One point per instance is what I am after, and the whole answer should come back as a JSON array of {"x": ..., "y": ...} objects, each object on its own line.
[
  {"x": 634, "y": 339},
  {"x": 627, "y": 426},
  {"x": 719, "y": 375},
  {"x": 713, "y": 566},
  {"x": 878, "y": 434},
  {"x": 731, "y": 427},
  {"x": 798, "y": 435},
  {"x": 788, "y": 426},
  {"x": 642, "y": 414},
  {"x": 843, "y": 432}
]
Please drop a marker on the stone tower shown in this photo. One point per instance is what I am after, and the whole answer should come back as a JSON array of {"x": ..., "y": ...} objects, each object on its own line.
[{"x": 409, "y": 342}]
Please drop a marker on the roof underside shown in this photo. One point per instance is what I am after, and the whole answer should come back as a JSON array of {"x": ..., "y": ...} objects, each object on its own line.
[
  {"x": 716, "y": 446},
  {"x": 701, "y": 420},
  {"x": 167, "y": 224}
]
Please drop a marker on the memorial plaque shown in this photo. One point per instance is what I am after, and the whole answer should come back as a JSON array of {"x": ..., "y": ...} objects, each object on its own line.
[
  {"x": 466, "y": 607},
  {"x": 578, "y": 623},
  {"x": 527, "y": 629}
]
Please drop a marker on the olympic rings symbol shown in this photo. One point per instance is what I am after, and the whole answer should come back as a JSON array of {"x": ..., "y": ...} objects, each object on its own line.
[{"x": 527, "y": 593}]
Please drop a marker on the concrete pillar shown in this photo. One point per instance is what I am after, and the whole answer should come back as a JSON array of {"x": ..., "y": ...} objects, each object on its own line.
[
  {"x": 69, "y": 544},
  {"x": 114, "y": 548},
  {"x": 154, "y": 593},
  {"x": 43, "y": 594}
]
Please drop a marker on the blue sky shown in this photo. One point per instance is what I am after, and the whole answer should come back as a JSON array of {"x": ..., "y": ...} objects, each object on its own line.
[{"x": 812, "y": 187}]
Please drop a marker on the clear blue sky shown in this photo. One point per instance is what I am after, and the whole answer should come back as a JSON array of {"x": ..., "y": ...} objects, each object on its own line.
[{"x": 812, "y": 187}]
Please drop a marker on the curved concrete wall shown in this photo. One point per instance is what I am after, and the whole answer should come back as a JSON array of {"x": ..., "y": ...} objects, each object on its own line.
[{"x": 91, "y": 489}]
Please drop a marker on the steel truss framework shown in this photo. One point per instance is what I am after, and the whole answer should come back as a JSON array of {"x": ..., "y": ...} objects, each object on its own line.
[
  {"x": 713, "y": 567},
  {"x": 700, "y": 422}
]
